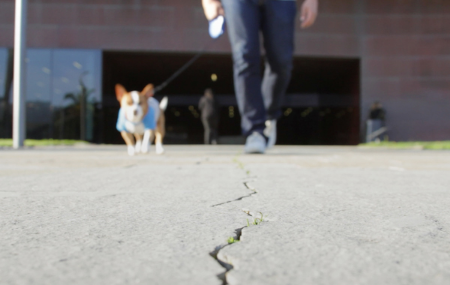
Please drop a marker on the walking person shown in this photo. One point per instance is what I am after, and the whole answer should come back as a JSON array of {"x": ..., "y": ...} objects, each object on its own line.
[
  {"x": 209, "y": 108},
  {"x": 376, "y": 123},
  {"x": 259, "y": 99}
]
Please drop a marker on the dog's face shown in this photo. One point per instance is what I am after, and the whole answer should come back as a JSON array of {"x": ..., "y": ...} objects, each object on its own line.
[{"x": 134, "y": 103}]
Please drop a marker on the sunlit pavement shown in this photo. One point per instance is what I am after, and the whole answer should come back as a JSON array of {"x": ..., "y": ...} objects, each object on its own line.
[{"x": 301, "y": 215}]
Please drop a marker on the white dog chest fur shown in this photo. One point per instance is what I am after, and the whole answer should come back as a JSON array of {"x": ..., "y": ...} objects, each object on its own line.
[{"x": 134, "y": 128}]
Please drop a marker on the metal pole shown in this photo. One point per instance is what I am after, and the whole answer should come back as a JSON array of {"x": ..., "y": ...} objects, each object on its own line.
[{"x": 20, "y": 36}]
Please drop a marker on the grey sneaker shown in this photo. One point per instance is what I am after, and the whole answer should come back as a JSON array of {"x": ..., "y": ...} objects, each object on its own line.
[
  {"x": 271, "y": 132},
  {"x": 255, "y": 143}
]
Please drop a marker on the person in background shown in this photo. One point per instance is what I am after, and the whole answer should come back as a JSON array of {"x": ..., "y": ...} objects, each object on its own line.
[
  {"x": 259, "y": 99},
  {"x": 377, "y": 112},
  {"x": 376, "y": 122},
  {"x": 209, "y": 108}
]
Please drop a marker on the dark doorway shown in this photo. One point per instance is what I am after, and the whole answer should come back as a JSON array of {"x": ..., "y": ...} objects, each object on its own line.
[
  {"x": 322, "y": 103},
  {"x": 135, "y": 70},
  {"x": 321, "y": 106}
]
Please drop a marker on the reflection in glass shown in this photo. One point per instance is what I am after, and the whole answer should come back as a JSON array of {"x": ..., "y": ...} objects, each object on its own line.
[
  {"x": 3, "y": 63},
  {"x": 77, "y": 92},
  {"x": 63, "y": 91},
  {"x": 6, "y": 65},
  {"x": 38, "y": 94}
]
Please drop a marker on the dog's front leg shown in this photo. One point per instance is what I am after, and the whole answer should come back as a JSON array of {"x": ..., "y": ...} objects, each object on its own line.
[
  {"x": 146, "y": 142},
  {"x": 138, "y": 146},
  {"x": 129, "y": 140}
]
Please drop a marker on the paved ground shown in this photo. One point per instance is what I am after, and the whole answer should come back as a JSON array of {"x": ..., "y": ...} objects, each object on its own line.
[{"x": 331, "y": 215}]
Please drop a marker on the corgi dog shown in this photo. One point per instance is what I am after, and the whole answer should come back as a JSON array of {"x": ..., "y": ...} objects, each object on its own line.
[{"x": 141, "y": 117}]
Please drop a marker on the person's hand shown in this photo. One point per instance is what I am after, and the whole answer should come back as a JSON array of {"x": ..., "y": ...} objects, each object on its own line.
[
  {"x": 212, "y": 9},
  {"x": 309, "y": 12}
]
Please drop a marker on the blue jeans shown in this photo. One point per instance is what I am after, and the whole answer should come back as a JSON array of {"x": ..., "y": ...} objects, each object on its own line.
[{"x": 259, "y": 99}]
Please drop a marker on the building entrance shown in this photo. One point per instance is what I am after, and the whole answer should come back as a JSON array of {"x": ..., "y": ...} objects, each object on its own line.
[{"x": 322, "y": 105}]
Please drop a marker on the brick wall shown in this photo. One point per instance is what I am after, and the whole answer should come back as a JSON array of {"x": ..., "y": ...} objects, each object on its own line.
[
  {"x": 176, "y": 25},
  {"x": 404, "y": 45},
  {"x": 336, "y": 33},
  {"x": 405, "y": 51}
]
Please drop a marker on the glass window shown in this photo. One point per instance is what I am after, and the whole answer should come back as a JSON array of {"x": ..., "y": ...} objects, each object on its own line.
[
  {"x": 38, "y": 93},
  {"x": 3, "y": 67},
  {"x": 63, "y": 91},
  {"x": 5, "y": 93},
  {"x": 76, "y": 92}
]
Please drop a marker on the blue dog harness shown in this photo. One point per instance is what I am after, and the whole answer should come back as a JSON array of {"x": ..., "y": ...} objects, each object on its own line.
[{"x": 148, "y": 122}]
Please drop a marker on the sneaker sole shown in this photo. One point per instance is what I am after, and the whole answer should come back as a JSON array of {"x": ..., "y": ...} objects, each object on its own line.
[{"x": 254, "y": 151}]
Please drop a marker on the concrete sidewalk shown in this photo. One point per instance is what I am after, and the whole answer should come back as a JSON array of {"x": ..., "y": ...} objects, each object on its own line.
[{"x": 330, "y": 215}]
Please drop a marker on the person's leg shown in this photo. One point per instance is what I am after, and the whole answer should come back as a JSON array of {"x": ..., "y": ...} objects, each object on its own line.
[
  {"x": 278, "y": 27},
  {"x": 207, "y": 128},
  {"x": 214, "y": 132},
  {"x": 243, "y": 25}
]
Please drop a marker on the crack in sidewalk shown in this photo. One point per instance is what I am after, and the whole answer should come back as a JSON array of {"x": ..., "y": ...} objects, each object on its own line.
[
  {"x": 238, "y": 232},
  {"x": 249, "y": 187},
  {"x": 228, "y": 266},
  {"x": 231, "y": 201},
  {"x": 223, "y": 260}
]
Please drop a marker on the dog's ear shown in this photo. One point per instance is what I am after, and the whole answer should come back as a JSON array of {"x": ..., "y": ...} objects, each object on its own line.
[
  {"x": 148, "y": 91},
  {"x": 120, "y": 91}
]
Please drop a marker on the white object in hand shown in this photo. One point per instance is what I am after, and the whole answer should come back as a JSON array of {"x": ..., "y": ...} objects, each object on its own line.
[{"x": 217, "y": 27}]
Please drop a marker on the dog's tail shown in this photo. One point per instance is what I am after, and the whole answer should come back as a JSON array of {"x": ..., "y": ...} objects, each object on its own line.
[{"x": 163, "y": 104}]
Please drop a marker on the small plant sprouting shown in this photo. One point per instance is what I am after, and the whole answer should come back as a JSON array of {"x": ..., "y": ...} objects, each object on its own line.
[
  {"x": 231, "y": 240},
  {"x": 256, "y": 221}
]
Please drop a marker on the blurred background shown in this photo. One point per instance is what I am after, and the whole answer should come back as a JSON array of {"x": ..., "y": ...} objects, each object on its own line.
[{"x": 360, "y": 51}]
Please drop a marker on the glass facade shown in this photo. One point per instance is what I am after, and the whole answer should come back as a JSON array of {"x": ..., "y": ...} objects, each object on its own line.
[
  {"x": 38, "y": 93},
  {"x": 70, "y": 95},
  {"x": 63, "y": 91},
  {"x": 6, "y": 62}
]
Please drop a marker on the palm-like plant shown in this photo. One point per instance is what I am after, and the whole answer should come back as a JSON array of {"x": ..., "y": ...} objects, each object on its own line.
[{"x": 79, "y": 101}]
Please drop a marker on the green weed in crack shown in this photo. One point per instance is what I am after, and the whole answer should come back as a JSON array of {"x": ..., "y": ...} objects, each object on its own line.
[
  {"x": 232, "y": 240},
  {"x": 256, "y": 221},
  {"x": 226, "y": 264}
]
